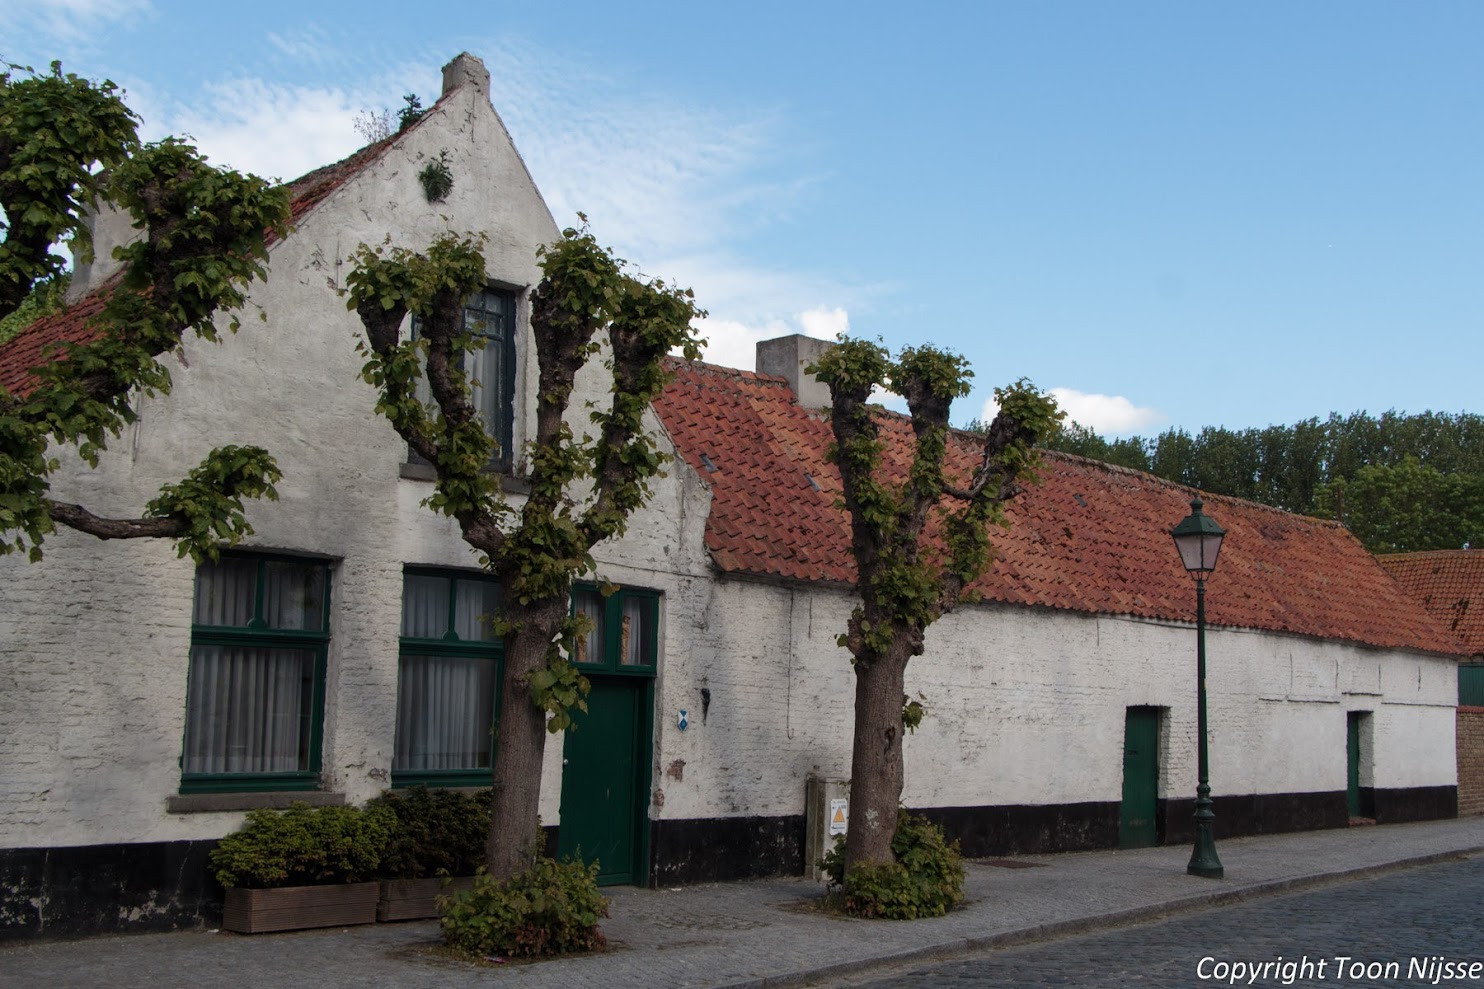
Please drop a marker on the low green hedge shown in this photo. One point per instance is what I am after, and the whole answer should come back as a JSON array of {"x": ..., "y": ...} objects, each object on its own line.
[
  {"x": 552, "y": 908},
  {"x": 437, "y": 832},
  {"x": 403, "y": 834},
  {"x": 926, "y": 880},
  {"x": 304, "y": 846}
]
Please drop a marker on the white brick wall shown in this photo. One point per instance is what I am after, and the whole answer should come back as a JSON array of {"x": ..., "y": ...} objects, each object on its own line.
[{"x": 1025, "y": 706}]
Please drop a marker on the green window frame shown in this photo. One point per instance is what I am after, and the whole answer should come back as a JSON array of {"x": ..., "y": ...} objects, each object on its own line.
[
  {"x": 449, "y": 667},
  {"x": 624, "y": 638},
  {"x": 255, "y": 690},
  {"x": 489, "y": 315}
]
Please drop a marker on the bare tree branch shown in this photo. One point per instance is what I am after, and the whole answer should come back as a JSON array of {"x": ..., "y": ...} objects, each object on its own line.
[{"x": 79, "y": 518}]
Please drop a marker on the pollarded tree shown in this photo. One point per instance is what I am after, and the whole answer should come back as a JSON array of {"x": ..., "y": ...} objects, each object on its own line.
[
  {"x": 919, "y": 542},
  {"x": 67, "y": 144},
  {"x": 583, "y": 488}
]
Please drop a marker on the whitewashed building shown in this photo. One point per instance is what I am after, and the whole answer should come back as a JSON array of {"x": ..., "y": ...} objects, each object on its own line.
[{"x": 146, "y": 704}]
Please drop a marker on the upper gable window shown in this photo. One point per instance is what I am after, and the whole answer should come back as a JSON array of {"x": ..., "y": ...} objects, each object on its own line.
[{"x": 490, "y": 316}]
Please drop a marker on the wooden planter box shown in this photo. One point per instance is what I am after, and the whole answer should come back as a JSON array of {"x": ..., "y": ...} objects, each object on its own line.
[
  {"x": 416, "y": 899},
  {"x": 288, "y": 908}
]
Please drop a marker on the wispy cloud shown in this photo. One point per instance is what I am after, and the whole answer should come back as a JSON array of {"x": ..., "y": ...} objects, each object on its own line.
[
  {"x": 670, "y": 184},
  {"x": 273, "y": 128},
  {"x": 69, "y": 21}
]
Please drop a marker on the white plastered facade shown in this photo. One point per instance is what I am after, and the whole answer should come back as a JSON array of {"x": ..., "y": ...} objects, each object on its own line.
[{"x": 1025, "y": 706}]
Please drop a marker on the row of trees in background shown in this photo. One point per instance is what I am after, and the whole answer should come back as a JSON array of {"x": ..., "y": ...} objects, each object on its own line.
[{"x": 1399, "y": 482}]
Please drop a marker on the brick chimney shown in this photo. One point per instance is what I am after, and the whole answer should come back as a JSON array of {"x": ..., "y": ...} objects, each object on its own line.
[
  {"x": 787, "y": 357},
  {"x": 110, "y": 228},
  {"x": 466, "y": 70}
]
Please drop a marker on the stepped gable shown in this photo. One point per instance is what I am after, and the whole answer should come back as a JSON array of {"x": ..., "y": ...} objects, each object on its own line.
[
  {"x": 1089, "y": 537},
  {"x": 1449, "y": 583}
]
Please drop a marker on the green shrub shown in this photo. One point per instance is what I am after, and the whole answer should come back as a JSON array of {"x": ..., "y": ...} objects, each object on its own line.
[
  {"x": 926, "y": 880},
  {"x": 437, "y": 832},
  {"x": 304, "y": 846},
  {"x": 550, "y": 909}
]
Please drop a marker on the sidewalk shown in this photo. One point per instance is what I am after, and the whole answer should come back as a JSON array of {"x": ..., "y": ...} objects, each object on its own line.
[{"x": 753, "y": 934}]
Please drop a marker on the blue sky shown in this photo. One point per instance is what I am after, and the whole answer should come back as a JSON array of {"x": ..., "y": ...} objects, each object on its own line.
[{"x": 1174, "y": 214}]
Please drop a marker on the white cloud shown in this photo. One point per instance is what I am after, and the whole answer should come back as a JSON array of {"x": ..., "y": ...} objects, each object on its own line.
[
  {"x": 826, "y": 324},
  {"x": 669, "y": 184},
  {"x": 1107, "y": 415},
  {"x": 275, "y": 129},
  {"x": 271, "y": 130},
  {"x": 732, "y": 343},
  {"x": 70, "y": 21}
]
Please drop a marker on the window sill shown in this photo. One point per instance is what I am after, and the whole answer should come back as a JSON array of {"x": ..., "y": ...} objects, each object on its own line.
[
  {"x": 509, "y": 483},
  {"x": 205, "y": 803}
]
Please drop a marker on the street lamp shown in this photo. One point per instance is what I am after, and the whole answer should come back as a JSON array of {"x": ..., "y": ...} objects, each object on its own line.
[{"x": 1198, "y": 538}]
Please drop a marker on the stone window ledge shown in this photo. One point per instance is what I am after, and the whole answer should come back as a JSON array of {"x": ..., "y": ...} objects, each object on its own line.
[
  {"x": 205, "y": 803},
  {"x": 509, "y": 483}
]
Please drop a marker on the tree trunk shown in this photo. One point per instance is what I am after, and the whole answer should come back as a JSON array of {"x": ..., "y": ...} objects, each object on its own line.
[
  {"x": 876, "y": 760},
  {"x": 520, "y": 742}
]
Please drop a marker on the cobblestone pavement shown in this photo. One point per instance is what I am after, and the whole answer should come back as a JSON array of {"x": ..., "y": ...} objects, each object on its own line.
[{"x": 1394, "y": 931}]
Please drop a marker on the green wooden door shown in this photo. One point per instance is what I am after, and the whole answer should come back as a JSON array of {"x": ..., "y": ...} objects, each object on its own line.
[
  {"x": 1352, "y": 761},
  {"x": 1136, "y": 814},
  {"x": 605, "y": 780}
]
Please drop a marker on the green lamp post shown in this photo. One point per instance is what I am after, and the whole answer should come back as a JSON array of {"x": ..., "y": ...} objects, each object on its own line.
[{"x": 1198, "y": 538}]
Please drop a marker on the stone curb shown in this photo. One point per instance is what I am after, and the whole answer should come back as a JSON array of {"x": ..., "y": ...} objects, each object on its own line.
[{"x": 965, "y": 946}]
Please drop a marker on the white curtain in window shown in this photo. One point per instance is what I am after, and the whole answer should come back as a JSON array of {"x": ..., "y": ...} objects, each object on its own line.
[
  {"x": 638, "y": 633},
  {"x": 444, "y": 709},
  {"x": 483, "y": 364},
  {"x": 424, "y": 606},
  {"x": 474, "y": 610},
  {"x": 247, "y": 710},
  {"x": 225, "y": 591},
  {"x": 293, "y": 595},
  {"x": 590, "y": 646}
]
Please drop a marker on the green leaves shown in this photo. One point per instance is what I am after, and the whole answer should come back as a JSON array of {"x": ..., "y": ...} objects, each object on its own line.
[
  {"x": 210, "y": 499},
  {"x": 57, "y": 135},
  {"x": 552, "y": 908},
  {"x": 64, "y": 144},
  {"x": 926, "y": 880},
  {"x": 582, "y": 488}
]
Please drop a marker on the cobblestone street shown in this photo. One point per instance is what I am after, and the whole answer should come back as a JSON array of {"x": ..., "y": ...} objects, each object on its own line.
[{"x": 1423, "y": 913}]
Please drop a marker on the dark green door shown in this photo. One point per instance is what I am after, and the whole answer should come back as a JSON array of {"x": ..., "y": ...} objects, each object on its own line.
[
  {"x": 1352, "y": 761},
  {"x": 605, "y": 780},
  {"x": 1140, "y": 778}
]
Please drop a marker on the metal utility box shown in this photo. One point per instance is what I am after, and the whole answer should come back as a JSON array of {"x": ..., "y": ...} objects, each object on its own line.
[{"x": 826, "y": 815}]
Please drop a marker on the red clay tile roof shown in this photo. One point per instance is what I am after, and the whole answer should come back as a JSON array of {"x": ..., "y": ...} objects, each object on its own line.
[
  {"x": 1449, "y": 583},
  {"x": 38, "y": 342},
  {"x": 1090, "y": 537}
]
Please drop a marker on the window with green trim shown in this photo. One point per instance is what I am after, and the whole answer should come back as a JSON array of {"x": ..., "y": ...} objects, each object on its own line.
[
  {"x": 624, "y": 632},
  {"x": 448, "y": 677},
  {"x": 489, "y": 316},
  {"x": 255, "y": 688}
]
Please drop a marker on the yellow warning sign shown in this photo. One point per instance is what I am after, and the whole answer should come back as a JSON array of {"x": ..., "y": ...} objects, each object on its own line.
[{"x": 839, "y": 815}]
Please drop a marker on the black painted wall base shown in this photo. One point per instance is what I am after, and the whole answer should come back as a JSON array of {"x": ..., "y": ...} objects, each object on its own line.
[
  {"x": 161, "y": 886},
  {"x": 1028, "y": 829},
  {"x": 106, "y": 889},
  {"x": 1254, "y": 813},
  {"x": 710, "y": 849},
  {"x": 1417, "y": 803}
]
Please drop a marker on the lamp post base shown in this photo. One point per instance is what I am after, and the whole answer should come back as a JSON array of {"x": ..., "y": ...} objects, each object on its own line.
[{"x": 1203, "y": 859}]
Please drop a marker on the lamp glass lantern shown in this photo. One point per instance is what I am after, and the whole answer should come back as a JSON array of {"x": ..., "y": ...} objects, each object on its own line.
[{"x": 1198, "y": 539}]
